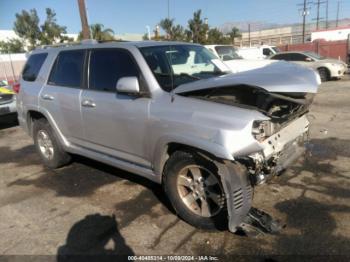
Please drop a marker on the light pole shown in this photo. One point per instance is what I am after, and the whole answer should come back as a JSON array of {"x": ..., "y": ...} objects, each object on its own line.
[{"x": 148, "y": 32}]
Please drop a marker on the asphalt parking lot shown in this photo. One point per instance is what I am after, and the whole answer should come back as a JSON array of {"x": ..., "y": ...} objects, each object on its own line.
[{"x": 91, "y": 208}]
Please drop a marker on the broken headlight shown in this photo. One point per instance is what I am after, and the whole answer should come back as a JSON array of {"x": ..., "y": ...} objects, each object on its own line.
[{"x": 262, "y": 130}]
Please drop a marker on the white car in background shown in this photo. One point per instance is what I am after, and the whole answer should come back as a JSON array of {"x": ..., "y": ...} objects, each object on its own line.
[
  {"x": 327, "y": 68},
  {"x": 257, "y": 52},
  {"x": 229, "y": 56}
]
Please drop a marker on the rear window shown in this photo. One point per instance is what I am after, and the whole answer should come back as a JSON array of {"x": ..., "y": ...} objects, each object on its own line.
[
  {"x": 67, "y": 69},
  {"x": 31, "y": 69}
]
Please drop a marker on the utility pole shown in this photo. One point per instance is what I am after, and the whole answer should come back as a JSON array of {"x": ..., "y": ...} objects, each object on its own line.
[
  {"x": 327, "y": 14},
  {"x": 337, "y": 20},
  {"x": 83, "y": 18},
  {"x": 169, "y": 9},
  {"x": 249, "y": 35},
  {"x": 318, "y": 18},
  {"x": 304, "y": 13}
]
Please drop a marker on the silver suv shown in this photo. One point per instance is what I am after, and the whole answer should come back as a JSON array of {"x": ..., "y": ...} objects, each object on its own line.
[{"x": 172, "y": 113}]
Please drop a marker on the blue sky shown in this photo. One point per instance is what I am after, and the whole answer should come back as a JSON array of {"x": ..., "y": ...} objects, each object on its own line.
[{"x": 131, "y": 16}]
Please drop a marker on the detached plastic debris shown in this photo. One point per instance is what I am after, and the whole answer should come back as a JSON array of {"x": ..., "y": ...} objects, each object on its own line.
[{"x": 258, "y": 222}]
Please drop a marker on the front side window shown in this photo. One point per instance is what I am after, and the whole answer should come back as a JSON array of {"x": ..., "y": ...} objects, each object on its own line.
[
  {"x": 281, "y": 57},
  {"x": 107, "y": 66},
  {"x": 267, "y": 52},
  {"x": 174, "y": 65},
  {"x": 31, "y": 69},
  {"x": 67, "y": 69}
]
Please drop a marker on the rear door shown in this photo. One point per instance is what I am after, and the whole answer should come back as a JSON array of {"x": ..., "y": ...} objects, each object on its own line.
[
  {"x": 114, "y": 124},
  {"x": 32, "y": 80},
  {"x": 60, "y": 97}
]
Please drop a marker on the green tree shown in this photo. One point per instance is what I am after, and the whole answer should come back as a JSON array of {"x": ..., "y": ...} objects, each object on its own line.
[
  {"x": 198, "y": 28},
  {"x": 167, "y": 25},
  {"x": 51, "y": 32},
  {"x": 233, "y": 34},
  {"x": 178, "y": 33},
  {"x": 27, "y": 27},
  {"x": 11, "y": 46},
  {"x": 99, "y": 33},
  {"x": 215, "y": 37}
]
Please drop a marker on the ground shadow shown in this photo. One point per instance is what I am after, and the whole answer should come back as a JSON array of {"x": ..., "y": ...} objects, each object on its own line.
[
  {"x": 8, "y": 121},
  {"x": 94, "y": 238}
]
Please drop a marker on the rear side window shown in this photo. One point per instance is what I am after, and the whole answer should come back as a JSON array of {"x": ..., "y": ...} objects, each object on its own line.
[
  {"x": 31, "y": 69},
  {"x": 67, "y": 69},
  {"x": 107, "y": 66}
]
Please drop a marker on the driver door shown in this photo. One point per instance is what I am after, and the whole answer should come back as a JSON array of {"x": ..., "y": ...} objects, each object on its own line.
[{"x": 114, "y": 124}]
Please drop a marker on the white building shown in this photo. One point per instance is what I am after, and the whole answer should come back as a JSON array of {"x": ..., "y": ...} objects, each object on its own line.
[{"x": 336, "y": 34}]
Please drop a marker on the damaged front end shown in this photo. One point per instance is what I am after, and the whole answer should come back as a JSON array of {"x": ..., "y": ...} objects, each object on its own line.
[{"x": 281, "y": 140}]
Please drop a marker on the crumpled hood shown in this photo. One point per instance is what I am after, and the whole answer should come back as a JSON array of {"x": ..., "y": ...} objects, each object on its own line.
[{"x": 277, "y": 77}]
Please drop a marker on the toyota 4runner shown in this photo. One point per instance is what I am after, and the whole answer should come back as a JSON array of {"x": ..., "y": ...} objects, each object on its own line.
[{"x": 170, "y": 112}]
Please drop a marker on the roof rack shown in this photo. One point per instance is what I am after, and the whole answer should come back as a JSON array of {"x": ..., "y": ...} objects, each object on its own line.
[{"x": 82, "y": 42}]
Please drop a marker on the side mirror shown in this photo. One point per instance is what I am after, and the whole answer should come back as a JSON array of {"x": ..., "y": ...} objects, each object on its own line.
[
  {"x": 129, "y": 85},
  {"x": 308, "y": 59}
]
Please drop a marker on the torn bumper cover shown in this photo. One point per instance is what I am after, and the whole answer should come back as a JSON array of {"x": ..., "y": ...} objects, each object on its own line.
[{"x": 279, "y": 151}]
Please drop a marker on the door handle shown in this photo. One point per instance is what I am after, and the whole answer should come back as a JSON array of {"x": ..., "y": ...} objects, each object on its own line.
[
  {"x": 47, "y": 97},
  {"x": 88, "y": 103}
]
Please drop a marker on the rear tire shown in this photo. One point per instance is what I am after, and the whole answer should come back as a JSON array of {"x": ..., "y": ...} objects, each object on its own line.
[
  {"x": 47, "y": 145},
  {"x": 195, "y": 191},
  {"x": 324, "y": 74}
]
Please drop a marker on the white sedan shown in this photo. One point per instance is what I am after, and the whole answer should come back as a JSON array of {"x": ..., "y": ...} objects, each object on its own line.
[{"x": 327, "y": 68}]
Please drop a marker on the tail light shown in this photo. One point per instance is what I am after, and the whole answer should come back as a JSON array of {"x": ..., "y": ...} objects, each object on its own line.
[{"x": 16, "y": 87}]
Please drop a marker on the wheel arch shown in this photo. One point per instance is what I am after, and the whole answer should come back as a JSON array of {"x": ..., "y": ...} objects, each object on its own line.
[
  {"x": 166, "y": 146},
  {"x": 327, "y": 70},
  {"x": 35, "y": 114}
]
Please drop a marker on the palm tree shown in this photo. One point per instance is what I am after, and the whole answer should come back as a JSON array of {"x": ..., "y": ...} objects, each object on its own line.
[
  {"x": 98, "y": 33},
  {"x": 234, "y": 33},
  {"x": 167, "y": 25},
  {"x": 101, "y": 34},
  {"x": 198, "y": 28}
]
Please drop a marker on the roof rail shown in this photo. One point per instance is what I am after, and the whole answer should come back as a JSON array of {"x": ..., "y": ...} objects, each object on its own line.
[{"x": 83, "y": 42}]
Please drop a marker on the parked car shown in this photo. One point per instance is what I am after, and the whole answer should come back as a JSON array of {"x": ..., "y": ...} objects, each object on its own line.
[
  {"x": 327, "y": 68},
  {"x": 228, "y": 54},
  {"x": 206, "y": 135},
  {"x": 7, "y": 100},
  {"x": 258, "y": 52}
]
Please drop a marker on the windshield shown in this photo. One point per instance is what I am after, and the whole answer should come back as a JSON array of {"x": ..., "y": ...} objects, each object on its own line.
[
  {"x": 227, "y": 53},
  {"x": 314, "y": 55},
  {"x": 2, "y": 83},
  {"x": 174, "y": 65}
]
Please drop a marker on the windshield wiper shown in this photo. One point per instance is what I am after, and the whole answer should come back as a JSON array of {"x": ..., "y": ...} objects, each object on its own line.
[
  {"x": 217, "y": 73},
  {"x": 190, "y": 76},
  {"x": 181, "y": 74}
]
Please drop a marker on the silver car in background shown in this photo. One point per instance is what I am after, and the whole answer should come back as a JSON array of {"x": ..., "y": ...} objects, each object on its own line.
[
  {"x": 169, "y": 112},
  {"x": 327, "y": 68}
]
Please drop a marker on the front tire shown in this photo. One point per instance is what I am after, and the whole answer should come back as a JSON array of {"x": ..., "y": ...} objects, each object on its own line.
[
  {"x": 324, "y": 74},
  {"x": 195, "y": 190},
  {"x": 48, "y": 146}
]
